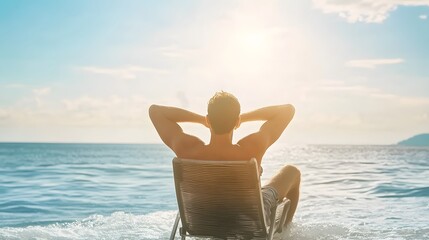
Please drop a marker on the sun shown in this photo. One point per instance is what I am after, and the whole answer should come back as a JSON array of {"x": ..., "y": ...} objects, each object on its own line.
[
  {"x": 254, "y": 40},
  {"x": 248, "y": 50}
]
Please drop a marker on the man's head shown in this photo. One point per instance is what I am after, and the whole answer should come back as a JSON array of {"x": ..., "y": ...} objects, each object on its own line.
[{"x": 223, "y": 112}]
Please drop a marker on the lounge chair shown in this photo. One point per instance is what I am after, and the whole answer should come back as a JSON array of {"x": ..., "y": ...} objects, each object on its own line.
[{"x": 223, "y": 200}]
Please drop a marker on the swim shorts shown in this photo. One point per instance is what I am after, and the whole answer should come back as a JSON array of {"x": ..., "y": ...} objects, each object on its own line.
[{"x": 270, "y": 198}]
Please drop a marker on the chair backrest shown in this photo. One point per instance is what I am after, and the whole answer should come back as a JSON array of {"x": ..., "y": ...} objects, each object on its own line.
[{"x": 219, "y": 198}]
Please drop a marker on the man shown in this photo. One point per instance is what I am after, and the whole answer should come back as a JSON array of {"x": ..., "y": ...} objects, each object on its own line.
[{"x": 222, "y": 118}]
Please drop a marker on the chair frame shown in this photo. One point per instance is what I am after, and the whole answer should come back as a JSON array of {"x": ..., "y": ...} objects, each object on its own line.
[{"x": 277, "y": 218}]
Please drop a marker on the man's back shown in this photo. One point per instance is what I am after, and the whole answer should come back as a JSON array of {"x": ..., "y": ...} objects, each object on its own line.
[{"x": 207, "y": 152}]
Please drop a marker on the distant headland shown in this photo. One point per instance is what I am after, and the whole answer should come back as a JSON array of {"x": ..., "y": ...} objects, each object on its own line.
[{"x": 417, "y": 140}]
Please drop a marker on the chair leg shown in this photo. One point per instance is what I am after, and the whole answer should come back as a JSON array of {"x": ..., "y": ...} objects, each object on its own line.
[
  {"x": 272, "y": 223},
  {"x": 176, "y": 223},
  {"x": 183, "y": 233},
  {"x": 282, "y": 214}
]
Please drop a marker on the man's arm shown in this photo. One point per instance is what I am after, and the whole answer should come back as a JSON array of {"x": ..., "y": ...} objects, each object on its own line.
[
  {"x": 166, "y": 119},
  {"x": 276, "y": 120}
]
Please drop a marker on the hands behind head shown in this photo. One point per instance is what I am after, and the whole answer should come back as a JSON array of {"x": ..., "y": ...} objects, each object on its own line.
[
  {"x": 238, "y": 123},
  {"x": 206, "y": 122}
]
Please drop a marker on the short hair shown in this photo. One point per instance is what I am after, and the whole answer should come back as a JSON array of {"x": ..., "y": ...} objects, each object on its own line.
[{"x": 223, "y": 112}]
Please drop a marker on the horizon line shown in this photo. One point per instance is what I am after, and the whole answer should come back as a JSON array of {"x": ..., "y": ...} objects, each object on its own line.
[{"x": 160, "y": 143}]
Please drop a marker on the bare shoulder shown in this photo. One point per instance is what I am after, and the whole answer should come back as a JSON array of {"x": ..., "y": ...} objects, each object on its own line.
[
  {"x": 185, "y": 144},
  {"x": 252, "y": 145}
]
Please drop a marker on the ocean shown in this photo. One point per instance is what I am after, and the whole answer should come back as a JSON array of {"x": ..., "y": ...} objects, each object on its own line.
[{"x": 126, "y": 191}]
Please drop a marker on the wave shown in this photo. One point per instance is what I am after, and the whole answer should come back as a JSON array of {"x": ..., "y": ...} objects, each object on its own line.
[
  {"x": 388, "y": 191},
  {"x": 158, "y": 225},
  {"x": 118, "y": 225}
]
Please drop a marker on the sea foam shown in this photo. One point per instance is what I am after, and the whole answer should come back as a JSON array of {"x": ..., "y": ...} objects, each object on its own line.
[{"x": 158, "y": 225}]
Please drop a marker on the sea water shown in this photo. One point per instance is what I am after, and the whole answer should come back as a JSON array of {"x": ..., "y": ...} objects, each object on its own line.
[{"x": 126, "y": 191}]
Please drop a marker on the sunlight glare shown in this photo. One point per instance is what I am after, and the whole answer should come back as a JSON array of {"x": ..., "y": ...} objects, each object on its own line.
[{"x": 254, "y": 41}]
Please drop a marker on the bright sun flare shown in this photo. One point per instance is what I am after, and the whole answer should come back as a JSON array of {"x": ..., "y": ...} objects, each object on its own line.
[{"x": 254, "y": 41}]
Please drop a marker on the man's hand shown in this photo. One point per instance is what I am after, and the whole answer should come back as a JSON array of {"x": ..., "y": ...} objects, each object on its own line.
[
  {"x": 205, "y": 123},
  {"x": 238, "y": 124}
]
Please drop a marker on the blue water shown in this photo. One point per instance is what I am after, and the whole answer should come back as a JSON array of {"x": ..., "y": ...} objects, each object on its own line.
[{"x": 125, "y": 191}]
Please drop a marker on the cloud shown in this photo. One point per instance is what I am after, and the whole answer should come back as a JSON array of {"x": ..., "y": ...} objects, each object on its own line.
[
  {"x": 16, "y": 85},
  {"x": 106, "y": 111},
  {"x": 174, "y": 51},
  {"x": 89, "y": 103},
  {"x": 39, "y": 93},
  {"x": 353, "y": 108},
  {"x": 83, "y": 111},
  {"x": 423, "y": 17},
  {"x": 374, "y": 93},
  {"x": 373, "y": 63},
  {"x": 3, "y": 114},
  {"x": 369, "y": 11},
  {"x": 128, "y": 72}
]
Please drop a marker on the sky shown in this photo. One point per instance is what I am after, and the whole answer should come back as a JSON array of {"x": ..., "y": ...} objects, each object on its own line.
[{"x": 357, "y": 71}]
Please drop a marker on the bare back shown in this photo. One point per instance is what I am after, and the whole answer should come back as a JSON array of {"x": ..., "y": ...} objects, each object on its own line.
[{"x": 208, "y": 152}]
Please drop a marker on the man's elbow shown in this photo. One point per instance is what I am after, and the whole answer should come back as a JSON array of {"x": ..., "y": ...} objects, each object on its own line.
[
  {"x": 291, "y": 109},
  {"x": 288, "y": 111},
  {"x": 153, "y": 110}
]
